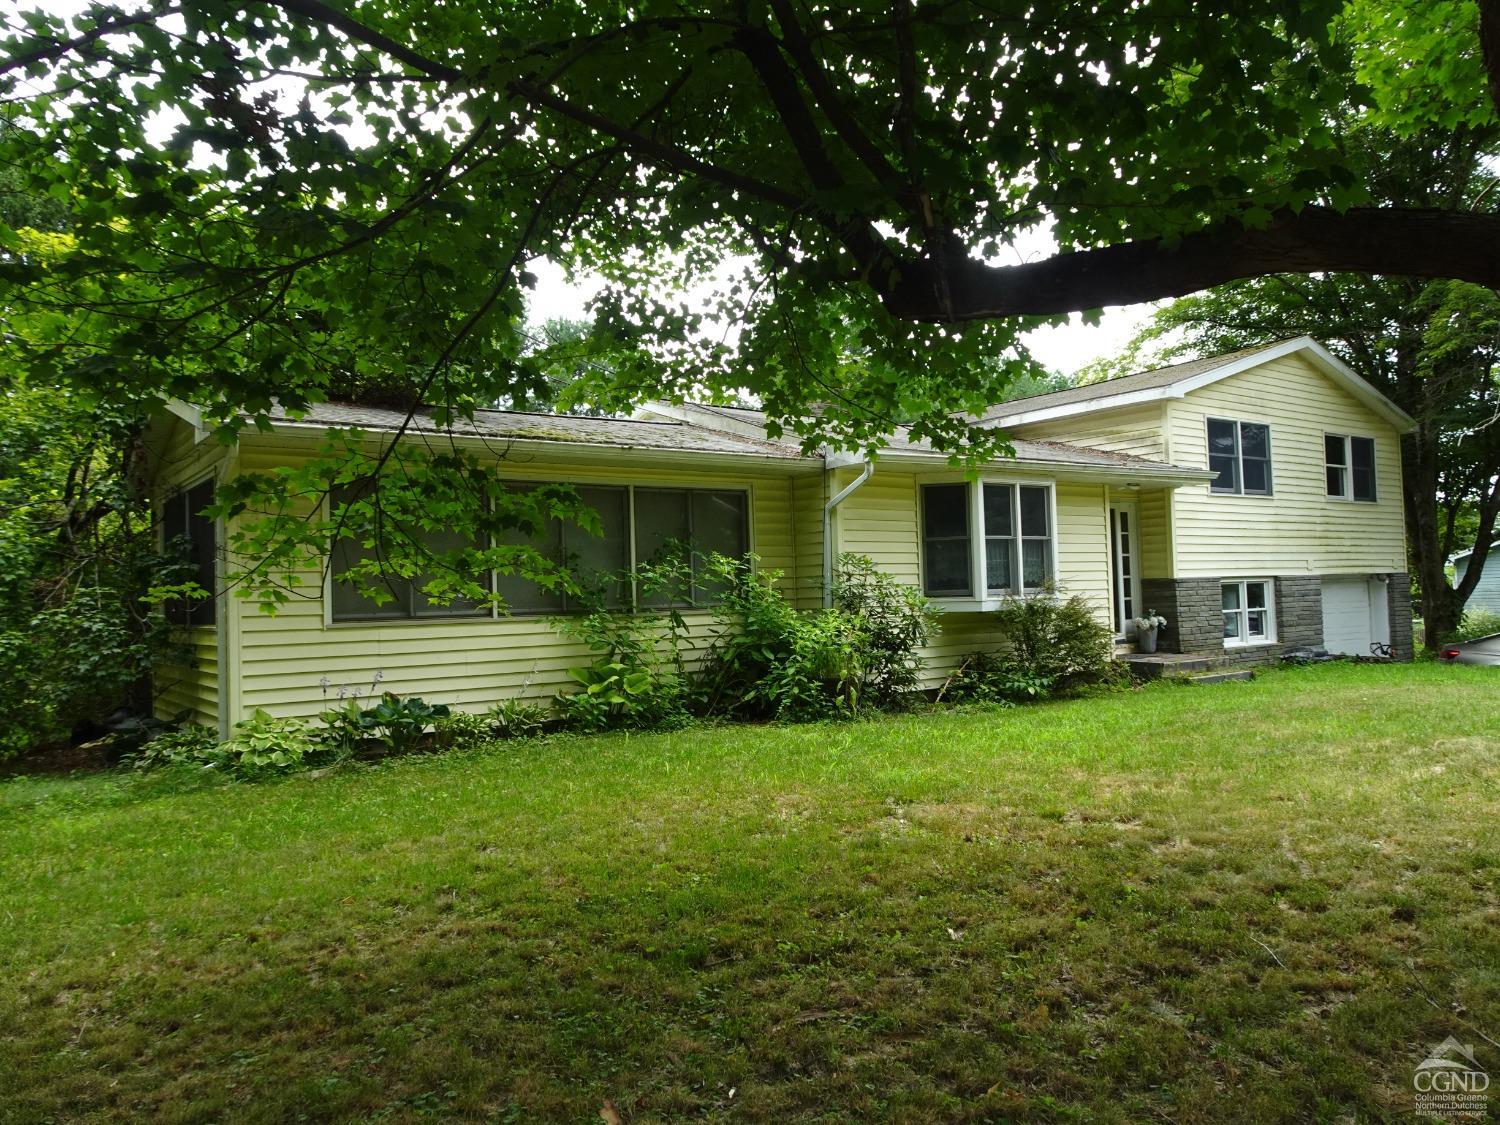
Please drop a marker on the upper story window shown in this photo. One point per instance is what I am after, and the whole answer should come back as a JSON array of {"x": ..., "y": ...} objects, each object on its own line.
[
  {"x": 183, "y": 523},
  {"x": 638, "y": 526},
  {"x": 995, "y": 536},
  {"x": 1349, "y": 467},
  {"x": 1240, "y": 453}
]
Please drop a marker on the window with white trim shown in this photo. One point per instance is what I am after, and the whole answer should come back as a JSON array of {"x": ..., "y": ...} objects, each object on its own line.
[
  {"x": 186, "y": 529},
  {"x": 1240, "y": 453},
  {"x": 1249, "y": 612},
  {"x": 995, "y": 535},
  {"x": 1349, "y": 467}
]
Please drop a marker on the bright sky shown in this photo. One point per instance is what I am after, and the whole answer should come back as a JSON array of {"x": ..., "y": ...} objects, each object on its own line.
[{"x": 1064, "y": 349}]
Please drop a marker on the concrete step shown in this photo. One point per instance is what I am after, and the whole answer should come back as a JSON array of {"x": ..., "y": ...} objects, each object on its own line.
[
  {"x": 1220, "y": 677},
  {"x": 1165, "y": 665}
]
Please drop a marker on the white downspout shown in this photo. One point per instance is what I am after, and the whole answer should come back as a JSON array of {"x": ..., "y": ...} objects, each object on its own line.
[{"x": 843, "y": 494}]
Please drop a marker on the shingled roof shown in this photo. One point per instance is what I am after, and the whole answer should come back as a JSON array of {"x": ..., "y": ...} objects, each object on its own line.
[
  {"x": 508, "y": 425},
  {"x": 745, "y": 420}
]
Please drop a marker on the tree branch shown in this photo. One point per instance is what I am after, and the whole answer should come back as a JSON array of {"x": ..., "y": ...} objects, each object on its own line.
[
  {"x": 60, "y": 47},
  {"x": 320, "y": 12},
  {"x": 1372, "y": 240},
  {"x": 1489, "y": 43},
  {"x": 826, "y": 98}
]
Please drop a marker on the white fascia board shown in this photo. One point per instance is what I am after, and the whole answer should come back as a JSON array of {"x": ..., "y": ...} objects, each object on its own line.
[
  {"x": 1320, "y": 357},
  {"x": 1323, "y": 360},
  {"x": 1087, "y": 406},
  {"x": 1172, "y": 476},
  {"x": 189, "y": 414},
  {"x": 576, "y": 450}
]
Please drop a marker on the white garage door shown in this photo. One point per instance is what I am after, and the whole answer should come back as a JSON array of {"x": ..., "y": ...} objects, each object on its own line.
[{"x": 1354, "y": 615}]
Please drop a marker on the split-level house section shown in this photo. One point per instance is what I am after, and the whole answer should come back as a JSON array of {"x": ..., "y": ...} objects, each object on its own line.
[{"x": 1253, "y": 499}]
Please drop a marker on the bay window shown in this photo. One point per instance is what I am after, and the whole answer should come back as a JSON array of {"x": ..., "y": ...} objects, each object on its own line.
[
  {"x": 1249, "y": 616},
  {"x": 1349, "y": 467},
  {"x": 987, "y": 539},
  {"x": 1240, "y": 453}
]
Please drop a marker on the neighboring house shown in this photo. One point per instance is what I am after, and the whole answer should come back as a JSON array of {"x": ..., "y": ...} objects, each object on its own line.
[
  {"x": 1486, "y": 593},
  {"x": 1254, "y": 499}
]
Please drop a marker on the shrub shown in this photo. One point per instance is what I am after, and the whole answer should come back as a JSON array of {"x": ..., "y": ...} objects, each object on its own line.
[
  {"x": 637, "y": 680},
  {"x": 893, "y": 621},
  {"x": 463, "y": 730},
  {"x": 263, "y": 744},
  {"x": 1054, "y": 640},
  {"x": 756, "y": 633},
  {"x": 822, "y": 676},
  {"x": 189, "y": 745},
  {"x": 517, "y": 718},
  {"x": 616, "y": 694},
  {"x": 1477, "y": 623},
  {"x": 990, "y": 677},
  {"x": 768, "y": 659}
]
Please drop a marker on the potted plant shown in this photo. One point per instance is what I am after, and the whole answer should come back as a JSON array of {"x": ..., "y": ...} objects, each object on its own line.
[{"x": 1146, "y": 629}]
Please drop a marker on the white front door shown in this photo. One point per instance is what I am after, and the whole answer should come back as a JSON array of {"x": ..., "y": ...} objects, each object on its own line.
[{"x": 1125, "y": 568}]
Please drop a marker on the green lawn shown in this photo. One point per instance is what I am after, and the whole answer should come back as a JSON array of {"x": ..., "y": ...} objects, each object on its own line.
[{"x": 1238, "y": 902}]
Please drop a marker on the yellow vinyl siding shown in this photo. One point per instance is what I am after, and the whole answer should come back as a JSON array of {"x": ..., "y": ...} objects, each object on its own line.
[
  {"x": 808, "y": 495},
  {"x": 1136, "y": 430},
  {"x": 295, "y": 662},
  {"x": 190, "y": 689},
  {"x": 881, "y": 521},
  {"x": 1298, "y": 529}
]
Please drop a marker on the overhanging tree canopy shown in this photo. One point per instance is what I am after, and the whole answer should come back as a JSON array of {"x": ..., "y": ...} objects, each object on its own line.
[
  {"x": 267, "y": 193},
  {"x": 286, "y": 200}
]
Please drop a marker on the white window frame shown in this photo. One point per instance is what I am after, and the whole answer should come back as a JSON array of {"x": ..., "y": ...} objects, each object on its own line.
[
  {"x": 1239, "y": 457},
  {"x": 1347, "y": 469},
  {"x": 980, "y": 597},
  {"x": 1244, "y": 640}
]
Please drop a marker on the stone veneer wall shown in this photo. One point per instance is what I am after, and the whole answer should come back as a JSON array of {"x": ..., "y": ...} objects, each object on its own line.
[
  {"x": 1194, "y": 613},
  {"x": 1398, "y": 602},
  {"x": 1299, "y": 611},
  {"x": 1195, "y": 621}
]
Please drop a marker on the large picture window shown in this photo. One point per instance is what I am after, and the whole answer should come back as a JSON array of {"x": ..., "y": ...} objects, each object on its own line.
[
  {"x": 1248, "y": 614},
  {"x": 185, "y": 527},
  {"x": 406, "y": 600},
  {"x": 1240, "y": 453},
  {"x": 1349, "y": 467},
  {"x": 991, "y": 533},
  {"x": 638, "y": 526}
]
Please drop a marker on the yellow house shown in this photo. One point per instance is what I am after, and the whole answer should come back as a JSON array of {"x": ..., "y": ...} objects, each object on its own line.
[{"x": 1253, "y": 499}]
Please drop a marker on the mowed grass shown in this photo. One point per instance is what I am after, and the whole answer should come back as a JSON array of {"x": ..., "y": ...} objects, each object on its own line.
[{"x": 1242, "y": 902}]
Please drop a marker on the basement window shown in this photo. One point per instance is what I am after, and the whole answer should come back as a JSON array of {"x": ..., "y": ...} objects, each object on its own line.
[{"x": 1249, "y": 616}]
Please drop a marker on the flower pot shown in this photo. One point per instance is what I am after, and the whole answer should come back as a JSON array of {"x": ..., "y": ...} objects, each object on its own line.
[{"x": 1145, "y": 640}]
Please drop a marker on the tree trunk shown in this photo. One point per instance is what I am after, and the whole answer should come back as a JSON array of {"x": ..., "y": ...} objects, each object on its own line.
[{"x": 1441, "y": 607}]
